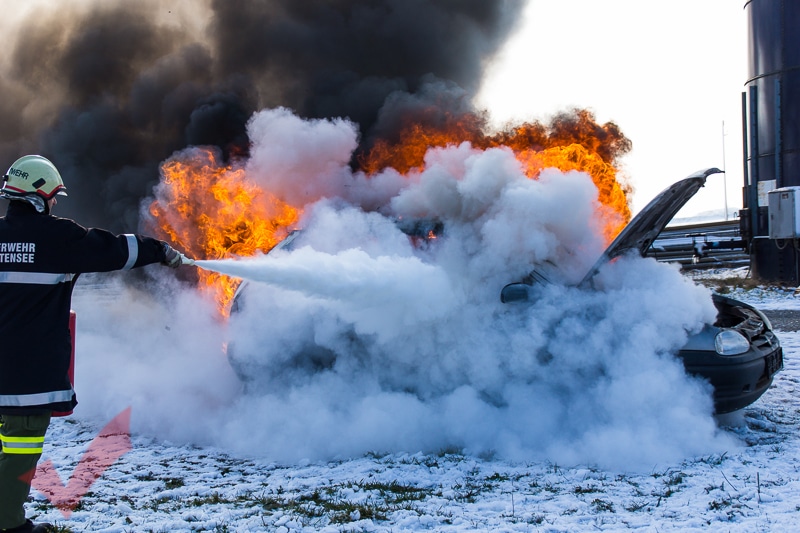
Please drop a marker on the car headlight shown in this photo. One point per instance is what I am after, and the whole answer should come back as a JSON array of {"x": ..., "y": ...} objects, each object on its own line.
[{"x": 731, "y": 342}]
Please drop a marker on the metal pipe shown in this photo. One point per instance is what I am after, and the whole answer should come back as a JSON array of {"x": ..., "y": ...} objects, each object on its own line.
[
  {"x": 778, "y": 133},
  {"x": 754, "y": 161},
  {"x": 745, "y": 153}
]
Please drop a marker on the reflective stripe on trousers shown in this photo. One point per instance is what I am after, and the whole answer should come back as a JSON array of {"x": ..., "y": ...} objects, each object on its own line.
[{"x": 21, "y": 445}]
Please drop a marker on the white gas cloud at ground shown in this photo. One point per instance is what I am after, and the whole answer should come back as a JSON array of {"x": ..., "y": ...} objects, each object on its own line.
[{"x": 169, "y": 484}]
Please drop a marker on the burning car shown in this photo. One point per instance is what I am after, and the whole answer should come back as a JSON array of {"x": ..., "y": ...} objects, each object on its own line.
[{"x": 738, "y": 354}]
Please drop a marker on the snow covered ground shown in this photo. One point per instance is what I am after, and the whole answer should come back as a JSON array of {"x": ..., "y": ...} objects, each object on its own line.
[{"x": 159, "y": 486}]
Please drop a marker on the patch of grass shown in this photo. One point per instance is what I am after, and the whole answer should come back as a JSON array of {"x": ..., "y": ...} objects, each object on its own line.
[
  {"x": 537, "y": 519},
  {"x": 549, "y": 487},
  {"x": 719, "y": 504},
  {"x": 672, "y": 483},
  {"x": 585, "y": 490},
  {"x": 350, "y": 512},
  {"x": 467, "y": 492},
  {"x": 150, "y": 476},
  {"x": 395, "y": 493},
  {"x": 270, "y": 503},
  {"x": 602, "y": 506},
  {"x": 173, "y": 483},
  {"x": 214, "y": 498},
  {"x": 675, "y": 479},
  {"x": 498, "y": 477},
  {"x": 338, "y": 510},
  {"x": 715, "y": 459},
  {"x": 636, "y": 505},
  {"x": 156, "y": 503},
  {"x": 327, "y": 503}
]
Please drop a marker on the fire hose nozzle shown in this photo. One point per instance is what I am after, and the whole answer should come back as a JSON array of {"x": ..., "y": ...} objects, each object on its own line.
[{"x": 186, "y": 260}]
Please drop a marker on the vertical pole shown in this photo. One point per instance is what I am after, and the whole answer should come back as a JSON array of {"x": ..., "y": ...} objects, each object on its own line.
[
  {"x": 724, "y": 173},
  {"x": 745, "y": 220},
  {"x": 754, "y": 161},
  {"x": 745, "y": 154},
  {"x": 778, "y": 133}
]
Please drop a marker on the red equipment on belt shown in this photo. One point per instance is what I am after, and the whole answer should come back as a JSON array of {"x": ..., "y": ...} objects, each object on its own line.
[{"x": 72, "y": 318}]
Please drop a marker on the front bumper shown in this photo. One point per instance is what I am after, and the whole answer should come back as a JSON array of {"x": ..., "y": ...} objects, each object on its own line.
[{"x": 739, "y": 380}]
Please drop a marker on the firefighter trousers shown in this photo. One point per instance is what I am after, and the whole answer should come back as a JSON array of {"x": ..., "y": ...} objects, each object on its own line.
[{"x": 22, "y": 438}]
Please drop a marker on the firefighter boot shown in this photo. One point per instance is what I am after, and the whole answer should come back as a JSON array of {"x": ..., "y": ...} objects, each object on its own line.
[{"x": 30, "y": 527}]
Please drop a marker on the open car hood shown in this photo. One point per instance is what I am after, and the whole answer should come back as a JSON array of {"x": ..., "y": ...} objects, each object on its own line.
[{"x": 643, "y": 229}]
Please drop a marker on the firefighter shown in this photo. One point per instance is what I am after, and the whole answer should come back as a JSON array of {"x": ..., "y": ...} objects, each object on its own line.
[{"x": 41, "y": 257}]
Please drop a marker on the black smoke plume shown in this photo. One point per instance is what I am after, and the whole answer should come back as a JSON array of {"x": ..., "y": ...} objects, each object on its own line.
[{"x": 109, "y": 89}]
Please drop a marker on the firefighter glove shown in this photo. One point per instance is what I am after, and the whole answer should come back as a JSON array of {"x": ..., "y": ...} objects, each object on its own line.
[{"x": 173, "y": 258}]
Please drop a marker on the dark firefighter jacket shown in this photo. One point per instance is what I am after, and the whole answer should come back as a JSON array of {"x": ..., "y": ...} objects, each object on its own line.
[{"x": 40, "y": 259}]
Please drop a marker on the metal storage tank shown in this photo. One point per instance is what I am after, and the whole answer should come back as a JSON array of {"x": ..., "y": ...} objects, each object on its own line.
[{"x": 771, "y": 129}]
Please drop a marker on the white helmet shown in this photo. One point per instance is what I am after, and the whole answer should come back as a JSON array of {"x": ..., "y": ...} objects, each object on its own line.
[
  {"x": 34, "y": 179},
  {"x": 33, "y": 174}
]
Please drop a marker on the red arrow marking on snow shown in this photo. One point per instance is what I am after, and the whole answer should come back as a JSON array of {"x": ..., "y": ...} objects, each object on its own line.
[{"x": 111, "y": 443}]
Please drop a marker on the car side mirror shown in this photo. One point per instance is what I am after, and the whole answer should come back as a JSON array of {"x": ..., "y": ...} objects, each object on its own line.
[{"x": 515, "y": 292}]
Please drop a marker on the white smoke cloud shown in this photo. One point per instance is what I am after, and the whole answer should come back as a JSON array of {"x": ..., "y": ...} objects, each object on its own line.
[
  {"x": 357, "y": 341},
  {"x": 160, "y": 352},
  {"x": 300, "y": 161}
]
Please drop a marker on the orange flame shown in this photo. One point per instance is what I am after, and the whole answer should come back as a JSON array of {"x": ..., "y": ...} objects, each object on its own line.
[
  {"x": 210, "y": 211},
  {"x": 572, "y": 141},
  {"x": 576, "y": 157}
]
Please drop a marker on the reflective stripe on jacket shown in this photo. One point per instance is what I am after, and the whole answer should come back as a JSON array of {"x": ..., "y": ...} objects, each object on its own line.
[{"x": 41, "y": 257}]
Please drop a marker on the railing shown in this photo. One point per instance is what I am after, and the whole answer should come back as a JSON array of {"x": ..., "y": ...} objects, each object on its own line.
[{"x": 706, "y": 245}]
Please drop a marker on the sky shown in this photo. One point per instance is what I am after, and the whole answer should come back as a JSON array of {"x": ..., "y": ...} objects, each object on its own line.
[{"x": 670, "y": 74}]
